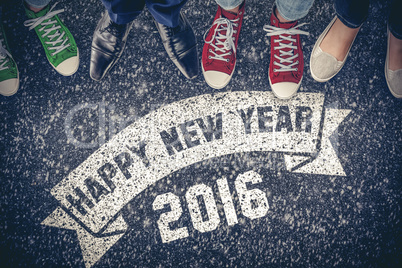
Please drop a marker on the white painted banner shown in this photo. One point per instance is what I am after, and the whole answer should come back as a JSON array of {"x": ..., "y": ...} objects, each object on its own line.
[{"x": 181, "y": 134}]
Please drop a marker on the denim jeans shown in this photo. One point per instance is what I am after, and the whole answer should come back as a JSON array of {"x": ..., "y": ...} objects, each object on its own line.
[
  {"x": 165, "y": 12},
  {"x": 229, "y": 4},
  {"x": 289, "y": 9},
  {"x": 37, "y": 3},
  {"x": 293, "y": 10},
  {"x": 353, "y": 13}
]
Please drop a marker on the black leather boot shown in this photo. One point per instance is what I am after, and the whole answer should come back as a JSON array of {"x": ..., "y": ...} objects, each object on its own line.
[
  {"x": 108, "y": 44},
  {"x": 181, "y": 46}
]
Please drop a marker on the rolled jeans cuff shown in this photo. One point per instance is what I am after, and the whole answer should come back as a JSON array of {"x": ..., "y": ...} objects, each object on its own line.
[
  {"x": 349, "y": 23},
  {"x": 293, "y": 10},
  {"x": 37, "y": 3},
  {"x": 123, "y": 18},
  {"x": 394, "y": 32},
  {"x": 394, "y": 19},
  {"x": 352, "y": 13},
  {"x": 229, "y": 4}
]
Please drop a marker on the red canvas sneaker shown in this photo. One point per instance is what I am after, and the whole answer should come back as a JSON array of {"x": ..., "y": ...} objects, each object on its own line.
[
  {"x": 219, "y": 52},
  {"x": 286, "y": 65}
]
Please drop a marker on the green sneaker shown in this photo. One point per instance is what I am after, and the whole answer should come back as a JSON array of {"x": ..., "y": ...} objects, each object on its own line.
[
  {"x": 9, "y": 77},
  {"x": 60, "y": 47}
]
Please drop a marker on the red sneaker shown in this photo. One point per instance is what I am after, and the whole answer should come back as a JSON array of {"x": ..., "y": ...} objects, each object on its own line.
[
  {"x": 219, "y": 52},
  {"x": 286, "y": 65}
]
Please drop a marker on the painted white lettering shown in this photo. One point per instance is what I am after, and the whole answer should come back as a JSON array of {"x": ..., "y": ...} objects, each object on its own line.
[
  {"x": 227, "y": 201},
  {"x": 284, "y": 120},
  {"x": 189, "y": 134},
  {"x": 247, "y": 119},
  {"x": 213, "y": 129},
  {"x": 194, "y": 207},
  {"x": 254, "y": 203},
  {"x": 202, "y": 206},
  {"x": 140, "y": 152},
  {"x": 171, "y": 140},
  {"x": 174, "y": 214},
  {"x": 124, "y": 161},
  {"x": 304, "y": 115},
  {"x": 264, "y": 119},
  {"x": 107, "y": 172},
  {"x": 95, "y": 188},
  {"x": 82, "y": 199}
]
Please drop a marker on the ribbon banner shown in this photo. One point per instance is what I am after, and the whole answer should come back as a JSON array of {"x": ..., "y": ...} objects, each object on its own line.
[{"x": 181, "y": 134}]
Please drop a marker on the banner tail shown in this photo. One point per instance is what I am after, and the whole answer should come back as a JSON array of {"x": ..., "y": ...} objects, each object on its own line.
[
  {"x": 93, "y": 248},
  {"x": 327, "y": 162}
]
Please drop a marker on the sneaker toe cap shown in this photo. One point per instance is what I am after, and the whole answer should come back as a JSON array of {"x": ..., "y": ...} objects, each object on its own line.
[
  {"x": 9, "y": 87},
  {"x": 69, "y": 66},
  {"x": 285, "y": 90},
  {"x": 216, "y": 79}
]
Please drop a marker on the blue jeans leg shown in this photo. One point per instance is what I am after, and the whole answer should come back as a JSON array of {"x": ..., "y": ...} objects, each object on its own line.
[
  {"x": 229, "y": 4},
  {"x": 352, "y": 13},
  {"x": 293, "y": 10},
  {"x": 37, "y": 3},
  {"x": 166, "y": 12},
  {"x": 123, "y": 11},
  {"x": 395, "y": 19}
]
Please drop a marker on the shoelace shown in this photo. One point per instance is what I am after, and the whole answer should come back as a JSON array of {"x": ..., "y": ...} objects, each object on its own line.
[
  {"x": 285, "y": 64},
  {"x": 57, "y": 42},
  {"x": 3, "y": 56},
  {"x": 224, "y": 42}
]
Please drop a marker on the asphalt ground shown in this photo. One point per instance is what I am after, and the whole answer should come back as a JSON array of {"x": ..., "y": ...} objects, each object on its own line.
[{"x": 53, "y": 124}]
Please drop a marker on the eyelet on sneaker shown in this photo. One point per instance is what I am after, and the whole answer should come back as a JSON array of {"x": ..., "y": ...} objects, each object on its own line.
[
  {"x": 230, "y": 53},
  {"x": 227, "y": 60},
  {"x": 297, "y": 69},
  {"x": 210, "y": 50},
  {"x": 209, "y": 57}
]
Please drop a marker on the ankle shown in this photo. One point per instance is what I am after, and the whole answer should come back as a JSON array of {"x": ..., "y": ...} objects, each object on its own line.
[
  {"x": 234, "y": 11},
  {"x": 34, "y": 9},
  {"x": 279, "y": 16},
  {"x": 395, "y": 53}
]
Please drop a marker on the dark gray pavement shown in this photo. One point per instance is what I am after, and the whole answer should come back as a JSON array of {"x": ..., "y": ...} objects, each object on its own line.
[{"x": 316, "y": 220}]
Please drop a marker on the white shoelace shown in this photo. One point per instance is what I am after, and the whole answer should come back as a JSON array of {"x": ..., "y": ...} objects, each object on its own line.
[
  {"x": 224, "y": 42},
  {"x": 57, "y": 42},
  {"x": 3, "y": 56},
  {"x": 285, "y": 64}
]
